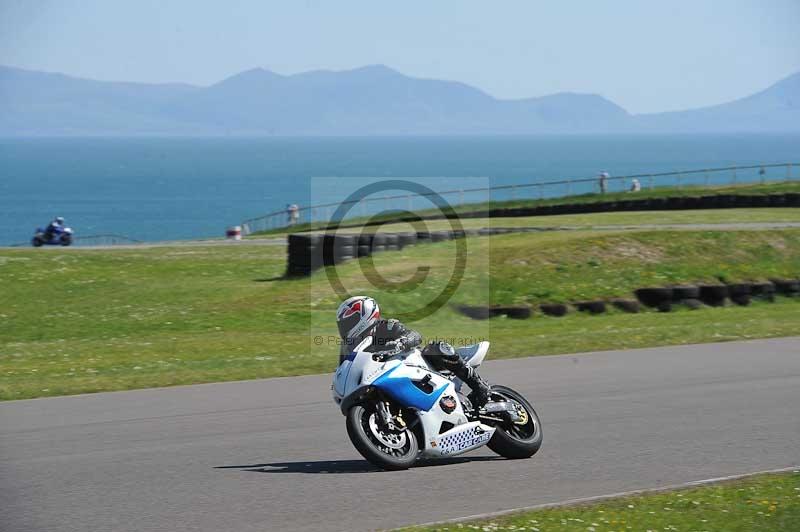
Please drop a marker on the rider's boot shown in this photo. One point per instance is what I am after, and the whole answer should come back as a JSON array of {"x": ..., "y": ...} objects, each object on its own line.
[
  {"x": 481, "y": 390},
  {"x": 443, "y": 356},
  {"x": 479, "y": 395}
]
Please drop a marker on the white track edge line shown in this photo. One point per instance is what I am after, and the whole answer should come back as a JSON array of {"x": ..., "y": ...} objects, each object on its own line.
[{"x": 598, "y": 498}]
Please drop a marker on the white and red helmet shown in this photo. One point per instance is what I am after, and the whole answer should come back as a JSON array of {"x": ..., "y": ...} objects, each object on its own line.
[{"x": 357, "y": 317}]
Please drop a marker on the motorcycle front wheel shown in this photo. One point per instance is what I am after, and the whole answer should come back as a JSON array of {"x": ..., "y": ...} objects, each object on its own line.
[
  {"x": 382, "y": 447},
  {"x": 516, "y": 439}
]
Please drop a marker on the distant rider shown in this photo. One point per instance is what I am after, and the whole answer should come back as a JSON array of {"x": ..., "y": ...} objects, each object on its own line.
[
  {"x": 359, "y": 317},
  {"x": 54, "y": 228}
]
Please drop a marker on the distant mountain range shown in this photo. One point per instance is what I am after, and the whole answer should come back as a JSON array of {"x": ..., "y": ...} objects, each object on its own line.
[{"x": 373, "y": 100}]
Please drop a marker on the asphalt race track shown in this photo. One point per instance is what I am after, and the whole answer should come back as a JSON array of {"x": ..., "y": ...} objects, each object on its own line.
[{"x": 273, "y": 454}]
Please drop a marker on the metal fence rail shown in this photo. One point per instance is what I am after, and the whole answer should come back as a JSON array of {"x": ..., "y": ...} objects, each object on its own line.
[{"x": 730, "y": 175}]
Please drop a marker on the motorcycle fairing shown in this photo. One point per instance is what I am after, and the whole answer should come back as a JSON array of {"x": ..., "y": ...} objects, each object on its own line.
[{"x": 399, "y": 386}]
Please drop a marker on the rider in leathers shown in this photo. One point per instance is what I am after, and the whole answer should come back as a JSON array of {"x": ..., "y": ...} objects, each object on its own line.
[{"x": 359, "y": 317}]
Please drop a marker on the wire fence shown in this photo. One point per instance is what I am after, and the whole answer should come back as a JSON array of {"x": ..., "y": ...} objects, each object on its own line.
[{"x": 706, "y": 177}]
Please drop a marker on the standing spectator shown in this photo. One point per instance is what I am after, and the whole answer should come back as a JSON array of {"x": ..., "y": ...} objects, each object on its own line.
[
  {"x": 635, "y": 185},
  {"x": 289, "y": 213},
  {"x": 295, "y": 214},
  {"x": 603, "y": 182}
]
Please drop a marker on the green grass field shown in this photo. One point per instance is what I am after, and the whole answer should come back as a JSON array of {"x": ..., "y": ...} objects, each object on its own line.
[
  {"x": 764, "y": 503},
  {"x": 84, "y": 320}
]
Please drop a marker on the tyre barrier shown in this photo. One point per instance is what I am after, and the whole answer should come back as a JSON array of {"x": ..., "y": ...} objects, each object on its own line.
[
  {"x": 476, "y": 313},
  {"x": 787, "y": 287},
  {"x": 661, "y": 299},
  {"x": 653, "y": 297},
  {"x": 307, "y": 252},
  {"x": 740, "y": 293},
  {"x": 713, "y": 295},
  {"x": 406, "y": 239},
  {"x": 681, "y": 293},
  {"x": 765, "y": 291},
  {"x": 627, "y": 305},
  {"x": 514, "y": 312},
  {"x": 592, "y": 307},
  {"x": 715, "y": 201},
  {"x": 554, "y": 309},
  {"x": 520, "y": 312},
  {"x": 441, "y": 236},
  {"x": 693, "y": 304}
]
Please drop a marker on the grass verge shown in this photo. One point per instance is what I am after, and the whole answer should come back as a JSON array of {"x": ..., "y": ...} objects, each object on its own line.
[
  {"x": 74, "y": 321},
  {"x": 769, "y": 502}
]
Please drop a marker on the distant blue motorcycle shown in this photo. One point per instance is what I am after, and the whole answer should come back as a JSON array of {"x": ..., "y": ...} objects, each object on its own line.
[{"x": 54, "y": 235}]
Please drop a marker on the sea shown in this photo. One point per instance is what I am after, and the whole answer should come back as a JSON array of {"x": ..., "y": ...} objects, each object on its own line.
[{"x": 153, "y": 189}]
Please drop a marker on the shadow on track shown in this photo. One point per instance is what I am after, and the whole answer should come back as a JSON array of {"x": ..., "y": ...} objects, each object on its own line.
[{"x": 345, "y": 466}]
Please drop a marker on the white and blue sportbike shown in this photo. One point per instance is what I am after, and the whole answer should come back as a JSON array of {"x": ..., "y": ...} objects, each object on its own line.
[{"x": 399, "y": 409}]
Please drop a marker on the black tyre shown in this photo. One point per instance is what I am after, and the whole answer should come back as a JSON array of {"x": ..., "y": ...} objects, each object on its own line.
[
  {"x": 739, "y": 290},
  {"x": 627, "y": 305},
  {"x": 765, "y": 291},
  {"x": 679, "y": 293},
  {"x": 406, "y": 239},
  {"x": 37, "y": 242},
  {"x": 393, "y": 450},
  {"x": 713, "y": 295},
  {"x": 553, "y": 309},
  {"x": 786, "y": 287},
  {"x": 392, "y": 241},
  {"x": 441, "y": 236},
  {"x": 476, "y": 313},
  {"x": 592, "y": 307},
  {"x": 653, "y": 297},
  {"x": 518, "y": 313},
  {"x": 66, "y": 240},
  {"x": 344, "y": 253},
  {"x": 516, "y": 440}
]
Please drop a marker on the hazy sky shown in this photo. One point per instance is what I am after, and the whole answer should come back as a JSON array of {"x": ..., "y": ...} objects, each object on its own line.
[{"x": 644, "y": 55}]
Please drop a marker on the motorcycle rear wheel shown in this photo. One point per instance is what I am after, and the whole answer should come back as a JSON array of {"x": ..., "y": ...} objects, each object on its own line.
[
  {"x": 382, "y": 448},
  {"x": 516, "y": 440},
  {"x": 37, "y": 242}
]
